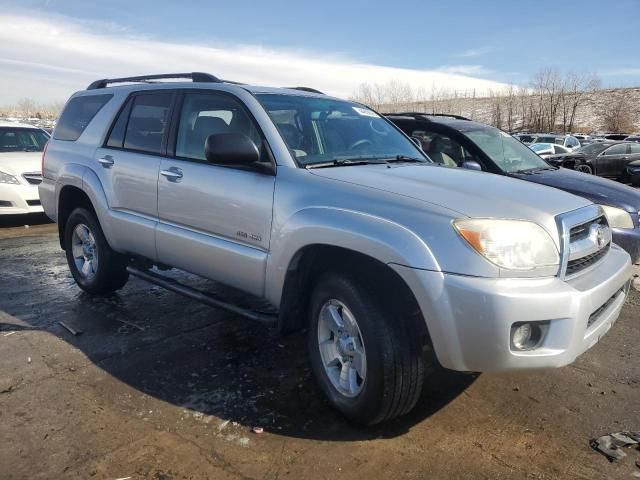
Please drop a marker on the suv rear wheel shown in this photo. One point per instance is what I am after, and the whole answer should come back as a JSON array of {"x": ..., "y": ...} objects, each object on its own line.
[
  {"x": 365, "y": 358},
  {"x": 95, "y": 267}
]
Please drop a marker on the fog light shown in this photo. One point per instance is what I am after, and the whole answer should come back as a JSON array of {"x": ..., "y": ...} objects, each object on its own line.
[
  {"x": 522, "y": 336},
  {"x": 528, "y": 335}
]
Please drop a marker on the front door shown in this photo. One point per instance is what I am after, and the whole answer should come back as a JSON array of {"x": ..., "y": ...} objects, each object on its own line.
[
  {"x": 609, "y": 163},
  {"x": 214, "y": 221}
]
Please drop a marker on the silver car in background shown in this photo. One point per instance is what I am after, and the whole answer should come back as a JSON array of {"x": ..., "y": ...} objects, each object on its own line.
[{"x": 21, "y": 147}]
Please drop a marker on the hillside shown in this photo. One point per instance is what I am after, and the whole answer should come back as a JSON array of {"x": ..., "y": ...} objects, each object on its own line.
[{"x": 596, "y": 111}]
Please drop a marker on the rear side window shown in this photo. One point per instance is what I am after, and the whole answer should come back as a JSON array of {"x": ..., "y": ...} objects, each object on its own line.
[
  {"x": 77, "y": 115},
  {"x": 148, "y": 122}
]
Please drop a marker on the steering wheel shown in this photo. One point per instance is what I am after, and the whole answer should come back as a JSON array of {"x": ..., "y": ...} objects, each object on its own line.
[{"x": 360, "y": 143}]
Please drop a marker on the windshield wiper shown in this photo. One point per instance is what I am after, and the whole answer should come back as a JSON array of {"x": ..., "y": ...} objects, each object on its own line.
[
  {"x": 345, "y": 163},
  {"x": 405, "y": 158},
  {"x": 528, "y": 171}
]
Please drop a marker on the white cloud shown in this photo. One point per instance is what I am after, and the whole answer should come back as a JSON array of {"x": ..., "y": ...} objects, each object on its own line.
[
  {"x": 474, "y": 52},
  {"x": 464, "y": 69},
  {"x": 622, "y": 72},
  {"x": 49, "y": 58}
]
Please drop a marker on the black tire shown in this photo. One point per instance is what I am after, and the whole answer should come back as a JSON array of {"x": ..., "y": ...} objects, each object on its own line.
[
  {"x": 585, "y": 168},
  {"x": 111, "y": 273},
  {"x": 395, "y": 364}
]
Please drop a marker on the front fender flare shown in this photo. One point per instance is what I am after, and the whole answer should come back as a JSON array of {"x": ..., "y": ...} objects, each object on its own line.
[{"x": 376, "y": 237}]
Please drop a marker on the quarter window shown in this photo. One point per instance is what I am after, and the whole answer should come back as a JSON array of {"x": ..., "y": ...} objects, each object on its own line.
[
  {"x": 77, "y": 115},
  {"x": 147, "y": 123},
  {"x": 208, "y": 114}
]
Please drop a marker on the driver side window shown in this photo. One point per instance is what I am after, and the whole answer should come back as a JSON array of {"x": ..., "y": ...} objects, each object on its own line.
[
  {"x": 443, "y": 149},
  {"x": 619, "y": 149},
  {"x": 205, "y": 114}
]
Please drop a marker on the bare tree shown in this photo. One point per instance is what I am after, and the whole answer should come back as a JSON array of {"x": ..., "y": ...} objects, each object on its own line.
[
  {"x": 615, "y": 114},
  {"x": 27, "y": 107},
  {"x": 577, "y": 87}
]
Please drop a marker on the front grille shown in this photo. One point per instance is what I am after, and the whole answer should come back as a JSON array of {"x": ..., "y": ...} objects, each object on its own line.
[
  {"x": 574, "y": 266},
  {"x": 582, "y": 231},
  {"x": 33, "y": 203},
  {"x": 34, "y": 178}
]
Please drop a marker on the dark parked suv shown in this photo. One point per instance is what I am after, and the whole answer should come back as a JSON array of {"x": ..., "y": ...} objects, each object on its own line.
[{"x": 456, "y": 141}]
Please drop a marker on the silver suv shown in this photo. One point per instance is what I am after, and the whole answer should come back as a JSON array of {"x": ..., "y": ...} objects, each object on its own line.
[{"x": 330, "y": 213}]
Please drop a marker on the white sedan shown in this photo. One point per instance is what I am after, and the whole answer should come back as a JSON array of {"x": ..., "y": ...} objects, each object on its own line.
[
  {"x": 548, "y": 149},
  {"x": 21, "y": 149}
]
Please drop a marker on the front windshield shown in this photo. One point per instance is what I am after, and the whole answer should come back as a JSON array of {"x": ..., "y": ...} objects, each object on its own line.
[
  {"x": 319, "y": 130},
  {"x": 508, "y": 153},
  {"x": 593, "y": 148},
  {"x": 14, "y": 139}
]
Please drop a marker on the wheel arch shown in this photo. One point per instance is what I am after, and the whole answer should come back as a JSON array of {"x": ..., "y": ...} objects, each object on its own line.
[
  {"x": 81, "y": 187},
  {"x": 317, "y": 240}
]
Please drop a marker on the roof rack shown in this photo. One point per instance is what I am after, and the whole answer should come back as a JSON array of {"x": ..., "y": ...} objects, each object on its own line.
[
  {"x": 425, "y": 114},
  {"x": 306, "y": 89},
  {"x": 194, "y": 76}
]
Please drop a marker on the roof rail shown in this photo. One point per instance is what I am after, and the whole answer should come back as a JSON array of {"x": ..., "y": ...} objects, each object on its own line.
[
  {"x": 194, "y": 76},
  {"x": 306, "y": 89},
  {"x": 425, "y": 114}
]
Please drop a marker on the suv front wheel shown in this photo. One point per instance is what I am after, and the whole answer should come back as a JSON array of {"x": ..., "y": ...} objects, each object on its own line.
[
  {"x": 365, "y": 357},
  {"x": 95, "y": 267}
]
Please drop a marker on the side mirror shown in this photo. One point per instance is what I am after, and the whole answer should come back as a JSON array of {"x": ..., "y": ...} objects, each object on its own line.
[
  {"x": 471, "y": 165},
  {"x": 231, "y": 149}
]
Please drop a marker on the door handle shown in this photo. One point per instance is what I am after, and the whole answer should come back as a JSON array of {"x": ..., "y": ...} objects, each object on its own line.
[
  {"x": 173, "y": 174},
  {"x": 106, "y": 161}
]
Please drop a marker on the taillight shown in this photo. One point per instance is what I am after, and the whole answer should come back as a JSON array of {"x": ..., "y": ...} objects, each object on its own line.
[{"x": 44, "y": 152}]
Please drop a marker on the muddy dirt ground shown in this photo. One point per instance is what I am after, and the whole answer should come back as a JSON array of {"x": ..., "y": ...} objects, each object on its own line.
[{"x": 157, "y": 386}]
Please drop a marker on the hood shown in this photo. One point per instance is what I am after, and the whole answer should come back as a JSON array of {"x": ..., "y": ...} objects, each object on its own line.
[
  {"x": 17, "y": 163},
  {"x": 597, "y": 189},
  {"x": 467, "y": 192}
]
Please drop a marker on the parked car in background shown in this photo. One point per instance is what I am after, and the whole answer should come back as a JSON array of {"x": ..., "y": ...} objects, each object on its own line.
[
  {"x": 525, "y": 138},
  {"x": 604, "y": 159},
  {"x": 633, "y": 172},
  {"x": 633, "y": 138},
  {"x": 568, "y": 141},
  {"x": 459, "y": 142},
  {"x": 615, "y": 136},
  {"x": 21, "y": 147},
  {"x": 548, "y": 149},
  {"x": 583, "y": 139}
]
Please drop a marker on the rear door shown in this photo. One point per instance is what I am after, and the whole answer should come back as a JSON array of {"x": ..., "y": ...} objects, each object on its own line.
[
  {"x": 128, "y": 166},
  {"x": 214, "y": 220}
]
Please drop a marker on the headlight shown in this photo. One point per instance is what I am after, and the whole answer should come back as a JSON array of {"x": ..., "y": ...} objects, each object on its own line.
[
  {"x": 617, "y": 217},
  {"x": 510, "y": 244},
  {"x": 6, "y": 178}
]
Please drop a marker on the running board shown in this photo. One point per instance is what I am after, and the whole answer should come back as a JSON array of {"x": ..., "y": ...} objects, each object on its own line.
[{"x": 192, "y": 293}]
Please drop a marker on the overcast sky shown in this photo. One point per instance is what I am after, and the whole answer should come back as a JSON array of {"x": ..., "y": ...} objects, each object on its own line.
[{"x": 50, "y": 48}]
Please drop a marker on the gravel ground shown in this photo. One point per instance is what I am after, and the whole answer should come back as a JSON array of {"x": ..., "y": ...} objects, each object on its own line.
[{"x": 157, "y": 386}]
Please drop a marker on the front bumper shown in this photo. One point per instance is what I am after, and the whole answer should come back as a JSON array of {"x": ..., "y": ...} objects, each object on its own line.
[
  {"x": 19, "y": 199},
  {"x": 470, "y": 318}
]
